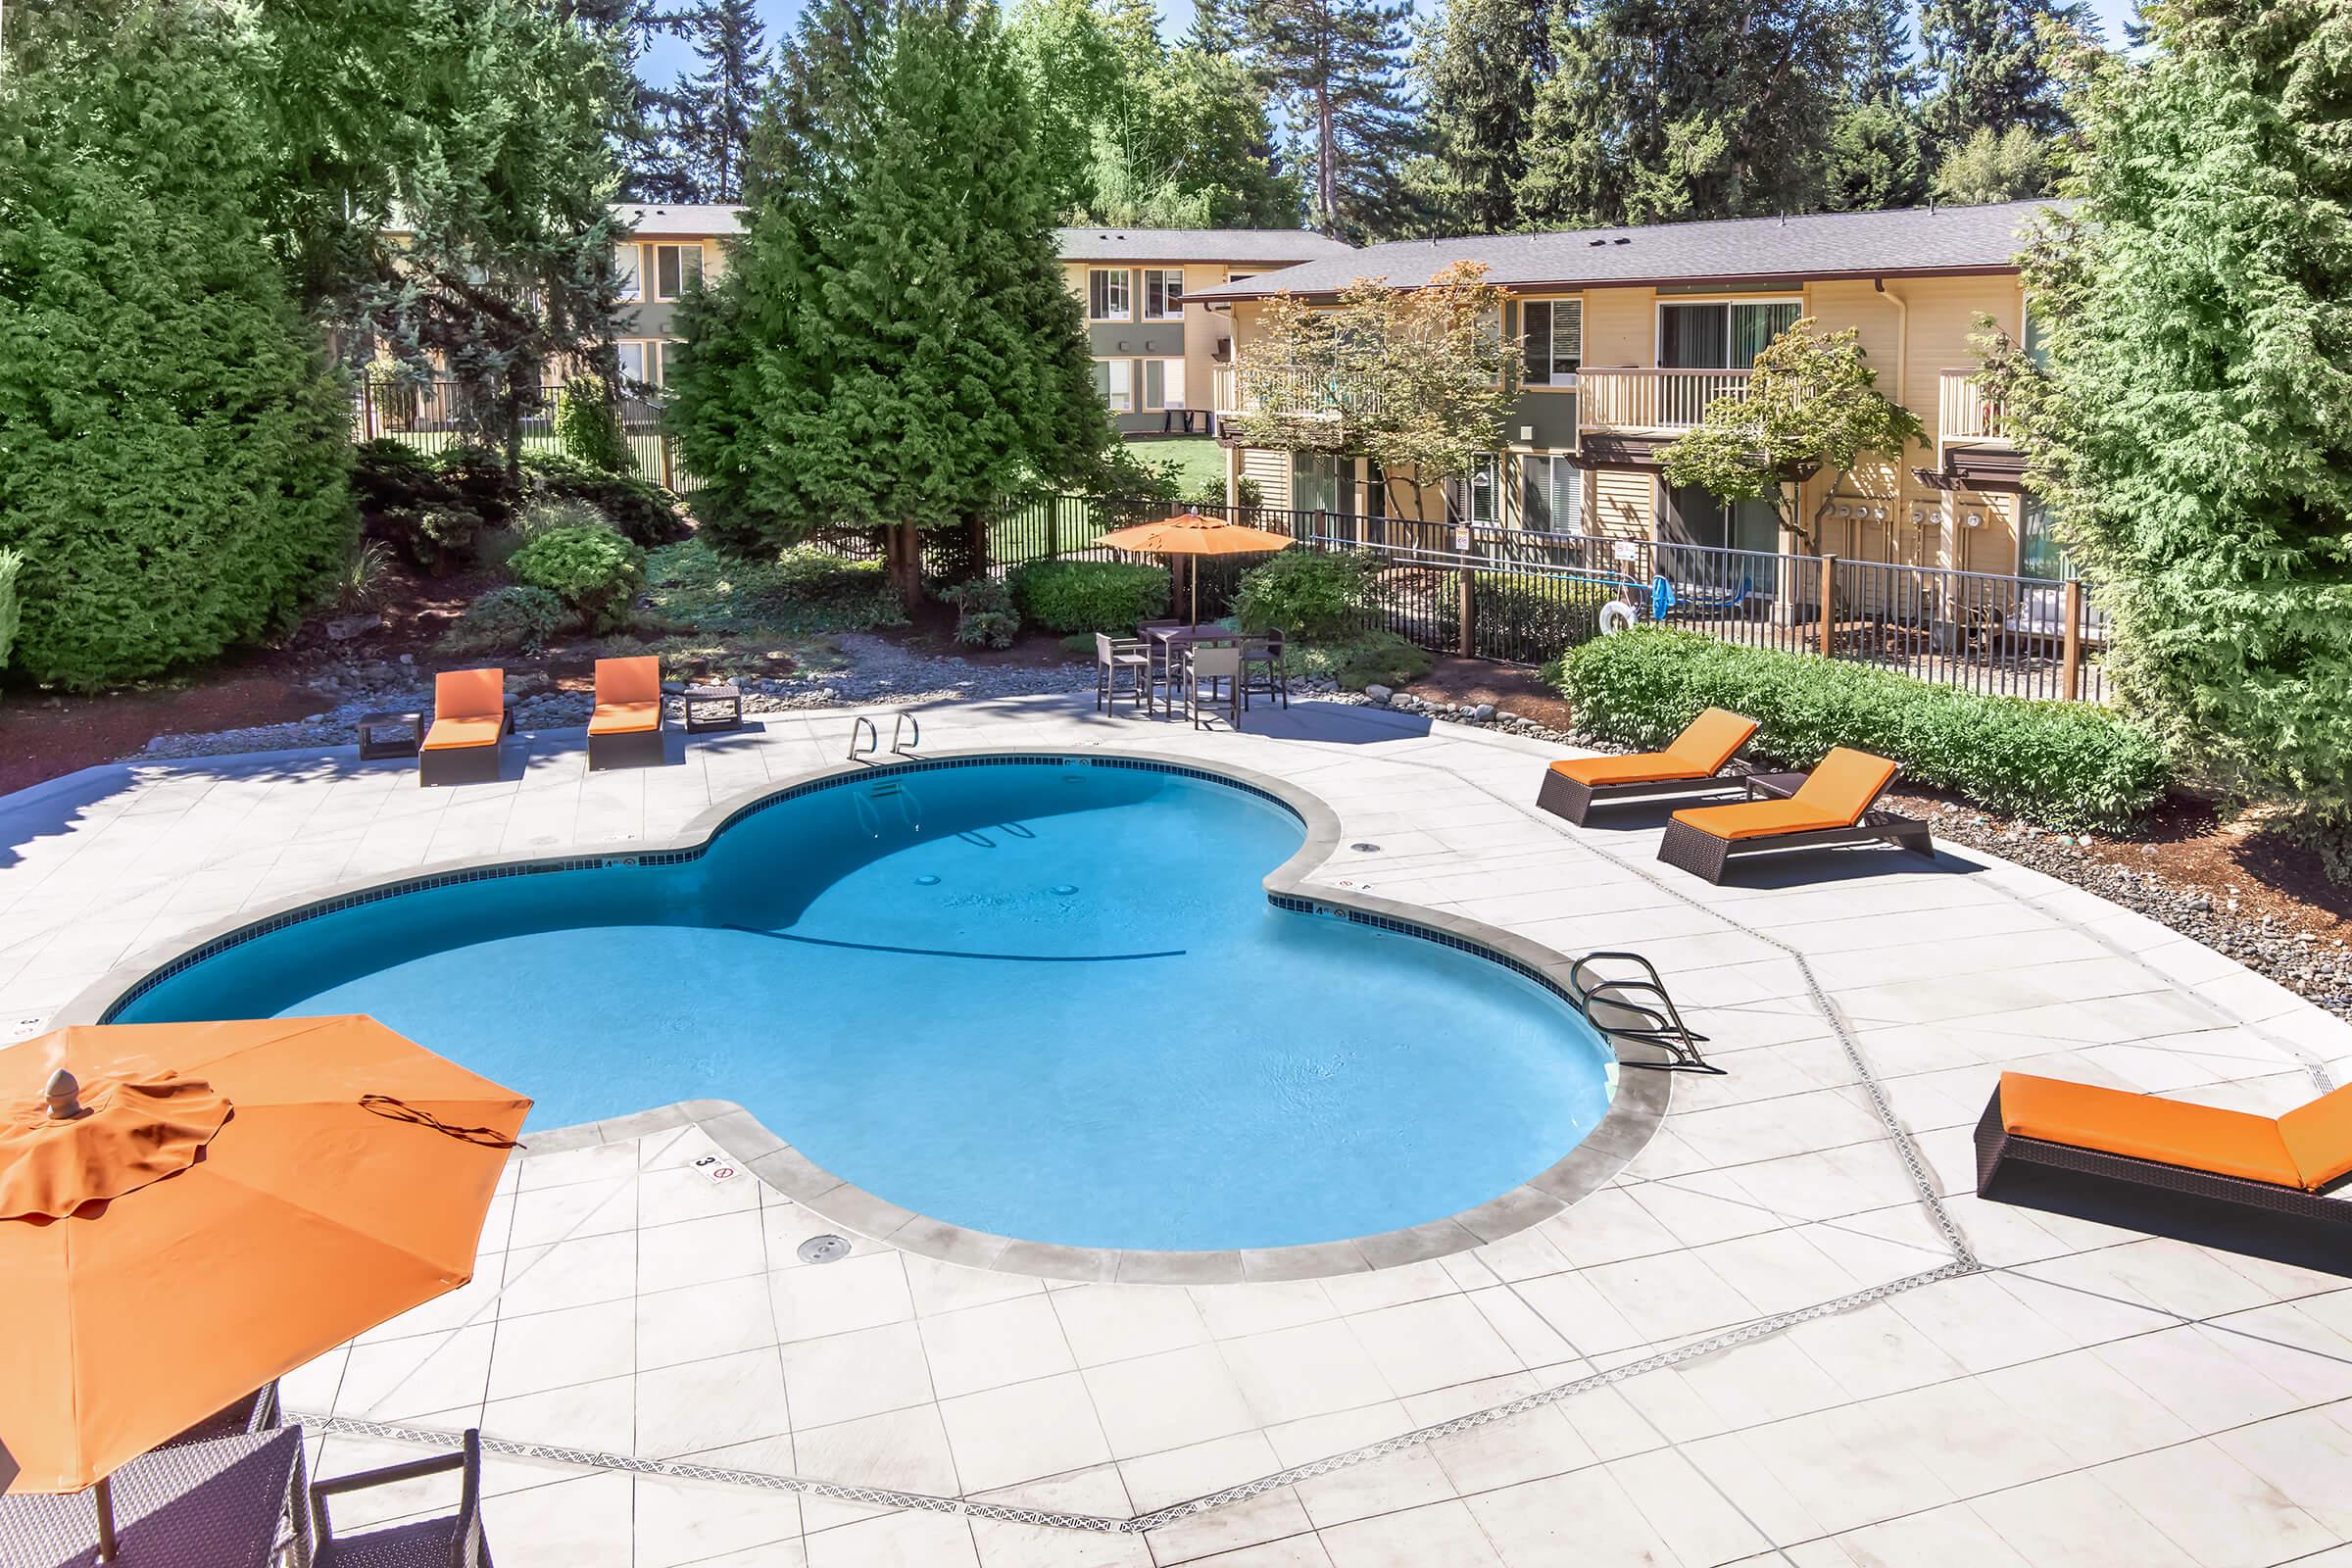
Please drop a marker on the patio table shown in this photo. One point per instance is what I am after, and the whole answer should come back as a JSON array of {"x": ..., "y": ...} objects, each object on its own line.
[
  {"x": 221, "y": 1503},
  {"x": 1172, "y": 638}
]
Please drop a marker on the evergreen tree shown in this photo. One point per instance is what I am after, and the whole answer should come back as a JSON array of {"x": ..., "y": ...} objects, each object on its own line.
[
  {"x": 894, "y": 347},
  {"x": 1985, "y": 167},
  {"x": 1988, "y": 60},
  {"x": 1874, "y": 159},
  {"x": 1479, "y": 64},
  {"x": 1885, "y": 69},
  {"x": 2193, "y": 427},
  {"x": 174, "y": 452},
  {"x": 1338, "y": 67},
  {"x": 716, "y": 103},
  {"x": 1696, "y": 109}
]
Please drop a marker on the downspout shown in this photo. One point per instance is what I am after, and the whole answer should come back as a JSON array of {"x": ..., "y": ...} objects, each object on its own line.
[{"x": 1903, "y": 383}]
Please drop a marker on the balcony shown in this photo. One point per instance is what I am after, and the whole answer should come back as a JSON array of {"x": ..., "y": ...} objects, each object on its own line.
[
  {"x": 1295, "y": 393},
  {"x": 1632, "y": 400},
  {"x": 1966, "y": 414}
]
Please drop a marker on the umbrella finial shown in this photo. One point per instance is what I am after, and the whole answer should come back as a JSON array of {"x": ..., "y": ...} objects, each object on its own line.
[{"x": 63, "y": 1095}]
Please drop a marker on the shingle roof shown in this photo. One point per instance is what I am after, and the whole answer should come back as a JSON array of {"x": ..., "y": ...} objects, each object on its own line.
[
  {"x": 681, "y": 217},
  {"x": 1196, "y": 245},
  {"x": 1917, "y": 239}
]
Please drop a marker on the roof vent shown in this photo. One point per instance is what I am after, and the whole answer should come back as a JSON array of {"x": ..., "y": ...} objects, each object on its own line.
[
  {"x": 1597, "y": 243},
  {"x": 1622, "y": 239}
]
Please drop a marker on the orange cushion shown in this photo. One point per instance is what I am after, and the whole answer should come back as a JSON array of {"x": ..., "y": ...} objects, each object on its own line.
[
  {"x": 1643, "y": 767},
  {"x": 628, "y": 680},
  {"x": 469, "y": 693},
  {"x": 1845, "y": 784},
  {"x": 1711, "y": 740},
  {"x": 2319, "y": 1137},
  {"x": 624, "y": 718},
  {"x": 2227, "y": 1142},
  {"x": 1758, "y": 819},
  {"x": 455, "y": 734}
]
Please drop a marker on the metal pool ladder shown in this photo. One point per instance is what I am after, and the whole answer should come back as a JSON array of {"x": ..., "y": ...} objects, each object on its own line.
[
  {"x": 1638, "y": 1008},
  {"x": 899, "y": 744}
]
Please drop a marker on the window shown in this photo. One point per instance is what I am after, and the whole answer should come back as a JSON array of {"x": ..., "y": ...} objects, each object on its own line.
[
  {"x": 1551, "y": 493},
  {"x": 1316, "y": 481},
  {"x": 1163, "y": 383},
  {"x": 676, "y": 268},
  {"x": 632, "y": 361},
  {"x": 1107, "y": 296},
  {"x": 1699, "y": 519},
  {"x": 624, "y": 262},
  {"x": 1471, "y": 500},
  {"x": 664, "y": 352},
  {"x": 1720, "y": 335},
  {"x": 1554, "y": 339},
  {"x": 2038, "y": 554},
  {"x": 1235, "y": 277},
  {"x": 1162, "y": 293},
  {"x": 1115, "y": 380}
]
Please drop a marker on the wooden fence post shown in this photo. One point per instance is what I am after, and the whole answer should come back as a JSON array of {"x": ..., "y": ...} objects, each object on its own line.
[
  {"x": 1828, "y": 604},
  {"x": 2070, "y": 671}
]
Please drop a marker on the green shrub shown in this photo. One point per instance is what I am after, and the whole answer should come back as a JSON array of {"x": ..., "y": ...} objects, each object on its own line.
[
  {"x": 698, "y": 590},
  {"x": 1088, "y": 595},
  {"x": 984, "y": 612},
  {"x": 588, "y": 426},
  {"x": 1307, "y": 593},
  {"x": 2067, "y": 765},
  {"x": 517, "y": 618},
  {"x": 479, "y": 477},
  {"x": 1537, "y": 611},
  {"x": 548, "y": 514},
  {"x": 647, "y": 514},
  {"x": 12, "y": 612},
  {"x": 594, "y": 571}
]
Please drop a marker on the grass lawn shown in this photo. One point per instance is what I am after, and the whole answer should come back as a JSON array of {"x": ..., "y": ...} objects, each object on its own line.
[{"x": 1198, "y": 461}]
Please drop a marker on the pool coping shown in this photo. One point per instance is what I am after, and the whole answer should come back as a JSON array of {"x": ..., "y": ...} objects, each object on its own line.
[{"x": 1635, "y": 1112}]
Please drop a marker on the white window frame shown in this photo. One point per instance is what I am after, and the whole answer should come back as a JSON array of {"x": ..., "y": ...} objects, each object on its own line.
[
  {"x": 1118, "y": 385},
  {"x": 1098, "y": 304},
  {"x": 680, "y": 249},
  {"x": 642, "y": 348},
  {"x": 1554, "y": 376},
  {"x": 627, "y": 263},
  {"x": 1657, "y": 340},
  {"x": 1168, "y": 373},
  {"x": 1550, "y": 463},
  {"x": 1464, "y": 500},
  {"x": 1170, "y": 283}
]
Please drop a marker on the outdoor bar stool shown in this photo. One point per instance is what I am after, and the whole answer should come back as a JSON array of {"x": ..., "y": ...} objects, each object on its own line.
[
  {"x": 1262, "y": 670},
  {"x": 1112, "y": 656},
  {"x": 1163, "y": 673},
  {"x": 1210, "y": 667}
]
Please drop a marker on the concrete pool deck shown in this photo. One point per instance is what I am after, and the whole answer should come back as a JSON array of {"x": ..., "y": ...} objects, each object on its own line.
[{"x": 1786, "y": 1331}]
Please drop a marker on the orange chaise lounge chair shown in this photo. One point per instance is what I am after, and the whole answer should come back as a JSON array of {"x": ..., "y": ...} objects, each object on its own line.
[
  {"x": 2228, "y": 1178},
  {"x": 1834, "y": 804},
  {"x": 626, "y": 729},
  {"x": 469, "y": 720},
  {"x": 1688, "y": 765}
]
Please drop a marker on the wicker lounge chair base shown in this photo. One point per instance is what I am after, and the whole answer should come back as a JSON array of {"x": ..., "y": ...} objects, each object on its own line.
[
  {"x": 1574, "y": 800},
  {"x": 2231, "y": 1213},
  {"x": 637, "y": 748},
  {"x": 1703, "y": 854},
  {"x": 463, "y": 765}
]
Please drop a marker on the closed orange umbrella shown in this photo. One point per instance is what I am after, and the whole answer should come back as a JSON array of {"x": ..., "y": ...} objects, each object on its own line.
[
  {"x": 219, "y": 1203},
  {"x": 1189, "y": 533}
]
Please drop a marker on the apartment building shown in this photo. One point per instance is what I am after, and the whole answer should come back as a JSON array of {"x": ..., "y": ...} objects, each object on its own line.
[
  {"x": 1625, "y": 335},
  {"x": 673, "y": 247},
  {"x": 1154, "y": 350}
]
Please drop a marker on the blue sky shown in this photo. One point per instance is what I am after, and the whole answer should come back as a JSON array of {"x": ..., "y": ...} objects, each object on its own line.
[{"x": 668, "y": 57}]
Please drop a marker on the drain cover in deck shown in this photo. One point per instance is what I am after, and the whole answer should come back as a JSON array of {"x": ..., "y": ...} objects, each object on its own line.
[{"x": 824, "y": 1250}]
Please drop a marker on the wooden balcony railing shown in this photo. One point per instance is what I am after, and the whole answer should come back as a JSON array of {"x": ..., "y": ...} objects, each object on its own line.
[
  {"x": 1966, "y": 413},
  {"x": 1653, "y": 400},
  {"x": 1295, "y": 392}
]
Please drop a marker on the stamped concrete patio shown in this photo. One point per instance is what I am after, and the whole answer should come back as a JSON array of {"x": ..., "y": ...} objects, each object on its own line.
[{"x": 1787, "y": 1332}]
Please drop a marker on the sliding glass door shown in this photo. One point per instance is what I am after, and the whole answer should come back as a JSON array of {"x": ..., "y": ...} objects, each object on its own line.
[{"x": 1719, "y": 334}]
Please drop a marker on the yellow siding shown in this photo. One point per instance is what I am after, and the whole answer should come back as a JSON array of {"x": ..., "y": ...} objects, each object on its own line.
[
  {"x": 1623, "y": 503},
  {"x": 1620, "y": 327},
  {"x": 1272, "y": 472}
]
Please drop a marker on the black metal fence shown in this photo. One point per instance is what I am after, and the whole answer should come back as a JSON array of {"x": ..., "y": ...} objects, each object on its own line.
[
  {"x": 432, "y": 416},
  {"x": 1523, "y": 597}
]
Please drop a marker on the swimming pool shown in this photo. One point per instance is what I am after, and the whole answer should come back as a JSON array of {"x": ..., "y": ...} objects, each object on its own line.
[{"x": 1043, "y": 998}]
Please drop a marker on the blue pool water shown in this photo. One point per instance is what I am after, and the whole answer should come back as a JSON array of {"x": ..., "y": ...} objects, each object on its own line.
[{"x": 1043, "y": 999}]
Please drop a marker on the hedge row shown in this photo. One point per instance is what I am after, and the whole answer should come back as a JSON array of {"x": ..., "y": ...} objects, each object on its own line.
[
  {"x": 2066, "y": 765},
  {"x": 1070, "y": 596}
]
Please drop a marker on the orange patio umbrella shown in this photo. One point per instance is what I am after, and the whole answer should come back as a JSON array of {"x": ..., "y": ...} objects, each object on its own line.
[
  {"x": 1189, "y": 533},
  {"x": 189, "y": 1210}
]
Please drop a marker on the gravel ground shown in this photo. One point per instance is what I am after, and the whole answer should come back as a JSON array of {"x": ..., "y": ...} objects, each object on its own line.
[{"x": 876, "y": 670}]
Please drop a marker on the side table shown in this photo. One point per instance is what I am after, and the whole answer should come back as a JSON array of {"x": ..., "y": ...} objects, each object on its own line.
[
  {"x": 717, "y": 705},
  {"x": 394, "y": 734}
]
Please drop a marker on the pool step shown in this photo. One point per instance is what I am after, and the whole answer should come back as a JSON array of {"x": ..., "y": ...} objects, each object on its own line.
[{"x": 1637, "y": 1008}]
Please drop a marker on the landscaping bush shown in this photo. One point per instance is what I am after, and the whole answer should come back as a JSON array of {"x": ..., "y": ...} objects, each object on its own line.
[
  {"x": 516, "y": 619},
  {"x": 594, "y": 571},
  {"x": 2067, "y": 765},
  {"x": 640, "y": 509},
  {"x": 406, "y": 501},
  {"x": 478, "y": 476},
  {"x": 1307, "y": 593},
  {"x": 1547, "y": 614},
  {"x": 984, "y": 616},
  {"x": 546, "y": 516},
  {"x": 1088, "y": 595},
  {"x": 1368, "y": 658},
  {"x": 12, "y": 611},
  {"x": 698, "y": 590},
  {"x": 588, "y": 426}
]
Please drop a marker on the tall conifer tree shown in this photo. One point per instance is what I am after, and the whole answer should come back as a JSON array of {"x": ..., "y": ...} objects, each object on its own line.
[
  {"x": 717, "y": 103},
  {"x": 1479, "y": 63},
  {"x": 1337, "y": 69},
  {"x": 1989, "y": 62}
]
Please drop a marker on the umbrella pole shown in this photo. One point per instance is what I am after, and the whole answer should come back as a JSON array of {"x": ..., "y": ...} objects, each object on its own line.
[
  {"x": 1192, "y": 570},
  {"x": 106, "y": 1520}
]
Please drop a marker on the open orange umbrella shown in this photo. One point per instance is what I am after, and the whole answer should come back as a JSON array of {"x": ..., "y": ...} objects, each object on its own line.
[
  {"x": 1189, "y": 533},
  {"x": 189, "y": 1210}
]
